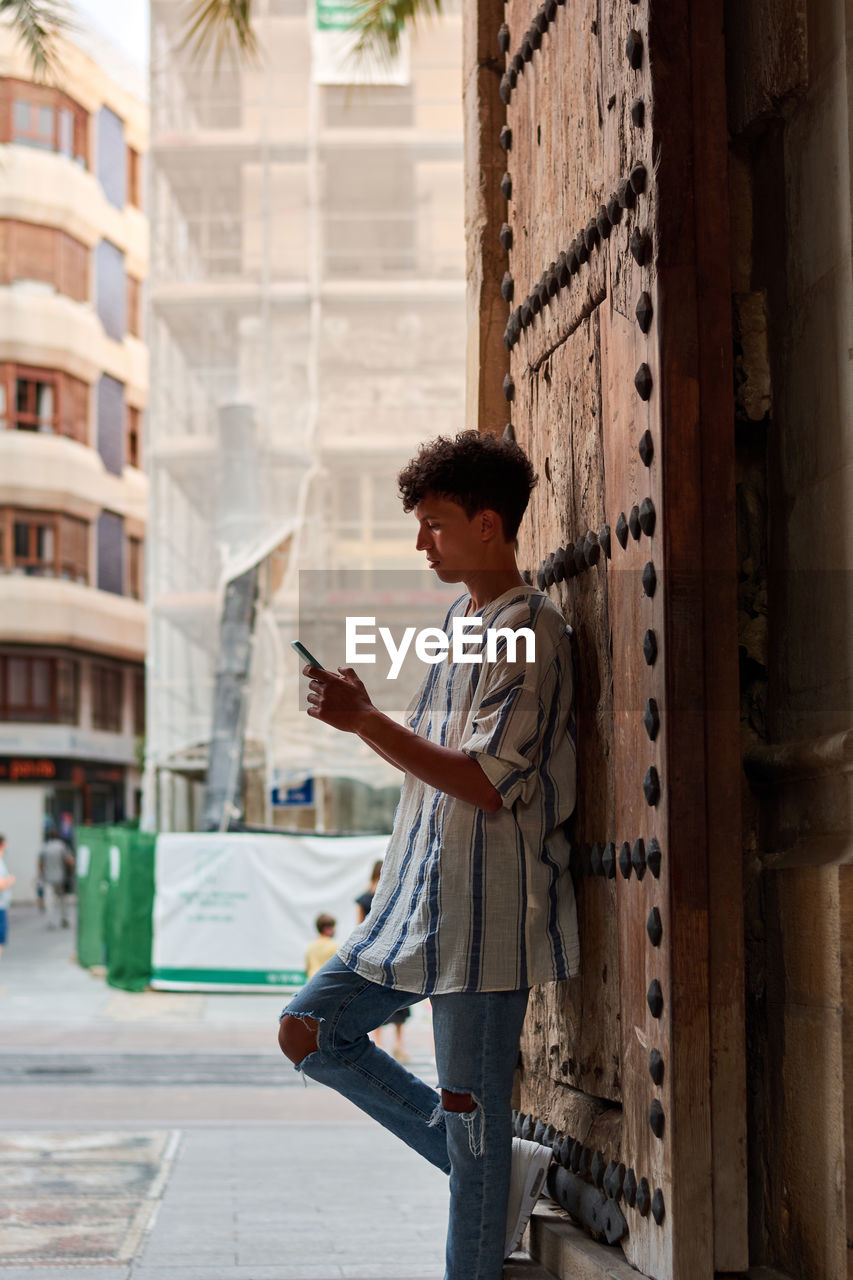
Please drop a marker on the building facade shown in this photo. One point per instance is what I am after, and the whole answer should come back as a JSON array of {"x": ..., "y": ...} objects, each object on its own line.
[
  {"x": 308, "y": 281},
  {"x": 73, "y": 390}
]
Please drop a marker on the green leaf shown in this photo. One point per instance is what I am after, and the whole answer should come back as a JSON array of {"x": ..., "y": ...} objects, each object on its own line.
[
  {"x": 36, "y": 23},
  {"x": 221, "y": 26},
  {"x": 380, "y": 23}
]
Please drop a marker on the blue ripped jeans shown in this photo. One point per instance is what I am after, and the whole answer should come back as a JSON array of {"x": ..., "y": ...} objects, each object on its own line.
[{"x": 476, "y": 1050}]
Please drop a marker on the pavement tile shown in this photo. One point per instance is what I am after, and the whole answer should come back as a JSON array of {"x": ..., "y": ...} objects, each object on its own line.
[
  {"x": 256, "y": 1272},
  {"x": 390, "y": 1271},
  {"x": 65, "y": 1273}
]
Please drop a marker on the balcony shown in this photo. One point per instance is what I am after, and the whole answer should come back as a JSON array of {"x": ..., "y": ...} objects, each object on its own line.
[
  {"x": 50, "y": 189},
  {"x": 51, "y": 611},
  {"x": 62, "y": 741},
  {"x": 57, "y": 474},
  {"x": 43, "y": 328}
]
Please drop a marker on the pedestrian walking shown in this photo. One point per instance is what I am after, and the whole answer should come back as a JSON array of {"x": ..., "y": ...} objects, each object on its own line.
[
  {"x": 475, "y": 903},
  {"x": 55, "y": 862},
  {"x": 6, "y": 882}
]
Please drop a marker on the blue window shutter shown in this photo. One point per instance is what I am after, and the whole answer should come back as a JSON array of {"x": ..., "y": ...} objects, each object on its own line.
[
  {"x": 111, "y": 552},
  {"x": 111, "y": 289},
  {"x": 111, "y": 423},
  {"x": 112, "y": 157}
]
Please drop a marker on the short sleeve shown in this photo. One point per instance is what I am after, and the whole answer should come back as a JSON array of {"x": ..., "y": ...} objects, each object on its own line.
[{"x": 508, "y": 726}]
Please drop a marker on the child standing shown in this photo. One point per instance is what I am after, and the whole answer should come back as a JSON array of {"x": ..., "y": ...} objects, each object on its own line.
[{"x": 323, "y": 947}]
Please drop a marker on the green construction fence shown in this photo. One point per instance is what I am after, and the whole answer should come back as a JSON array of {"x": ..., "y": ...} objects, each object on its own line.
[{"x": 115, "y": 903}]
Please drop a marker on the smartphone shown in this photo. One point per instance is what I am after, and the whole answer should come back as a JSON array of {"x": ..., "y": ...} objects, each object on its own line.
[{"x": 306, "y": 654}]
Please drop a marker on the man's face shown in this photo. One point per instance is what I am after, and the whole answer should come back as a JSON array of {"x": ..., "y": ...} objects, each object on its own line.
[{"x": 453, "y": 544}]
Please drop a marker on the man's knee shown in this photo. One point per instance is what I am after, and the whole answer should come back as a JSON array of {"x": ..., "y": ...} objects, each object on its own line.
[
  {"x": 297, "y": 1037},
  {"x": 461, "y": 1102}
]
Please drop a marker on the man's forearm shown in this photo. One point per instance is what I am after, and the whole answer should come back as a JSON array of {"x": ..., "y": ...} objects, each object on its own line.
[{"x": 441, "y": 767}]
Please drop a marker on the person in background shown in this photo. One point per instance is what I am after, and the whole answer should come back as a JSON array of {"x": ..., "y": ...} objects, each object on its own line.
[
  {"x": 323, "y": 947},
  {"x": 6, "y": 882},
  {"x": 397, "y": 1019},
  {"x": 55, "y": 862},
  {"x": 364, "y": 900}
]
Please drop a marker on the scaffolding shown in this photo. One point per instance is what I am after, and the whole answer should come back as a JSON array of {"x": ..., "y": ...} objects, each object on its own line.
[{"x": 307, "y": 283}]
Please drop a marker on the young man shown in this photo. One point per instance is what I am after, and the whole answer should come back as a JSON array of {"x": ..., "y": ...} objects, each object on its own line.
[{"x": 475, "y": 900}]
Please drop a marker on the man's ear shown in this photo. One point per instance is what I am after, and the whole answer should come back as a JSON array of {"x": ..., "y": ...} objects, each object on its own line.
[{"x": 491, "y": 525}]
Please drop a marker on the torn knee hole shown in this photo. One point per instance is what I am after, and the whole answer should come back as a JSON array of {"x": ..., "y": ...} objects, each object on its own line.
[
  {"x": 457, "y": 1102},
  {"x": 297, "y": 1036}
]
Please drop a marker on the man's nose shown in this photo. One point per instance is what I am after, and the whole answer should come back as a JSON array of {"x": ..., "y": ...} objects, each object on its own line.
[{"x": 423, "y": 541}]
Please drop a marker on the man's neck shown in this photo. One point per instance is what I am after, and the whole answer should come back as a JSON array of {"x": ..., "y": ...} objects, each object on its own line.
[{"x": 487, "y": 585}]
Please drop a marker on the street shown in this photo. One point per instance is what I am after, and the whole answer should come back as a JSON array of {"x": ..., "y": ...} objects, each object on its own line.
[{"x": 162, "y": 1136}]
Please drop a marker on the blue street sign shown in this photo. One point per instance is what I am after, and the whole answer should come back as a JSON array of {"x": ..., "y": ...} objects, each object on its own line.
[{"x": 293, "y": 797}]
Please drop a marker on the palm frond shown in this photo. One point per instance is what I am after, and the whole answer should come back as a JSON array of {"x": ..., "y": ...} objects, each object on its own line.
[
  {"x": 36, "y": 22},
  {"x": 380, "y": 23},
  {"x": 223, "y": 26}
]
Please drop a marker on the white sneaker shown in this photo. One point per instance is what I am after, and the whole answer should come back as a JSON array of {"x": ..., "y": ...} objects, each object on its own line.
[{"x": 530, "y": 1161}]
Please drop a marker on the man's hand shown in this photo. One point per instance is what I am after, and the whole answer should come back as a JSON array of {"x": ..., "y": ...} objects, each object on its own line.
[
  {"x": 339, "y": 700},
  {"x": 343, "y": 702}
]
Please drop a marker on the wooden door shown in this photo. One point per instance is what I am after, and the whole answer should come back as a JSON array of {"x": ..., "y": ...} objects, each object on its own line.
[{"x": 612, "y": 220}]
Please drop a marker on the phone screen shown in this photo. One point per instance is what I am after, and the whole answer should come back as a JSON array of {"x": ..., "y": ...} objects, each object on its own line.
[{"x": 306, "y": 654}]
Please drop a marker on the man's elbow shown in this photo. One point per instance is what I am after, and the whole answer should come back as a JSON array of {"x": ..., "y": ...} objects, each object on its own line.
[
  {"x": 488, "y": 797},
  {"x": 492, "y": 801}
]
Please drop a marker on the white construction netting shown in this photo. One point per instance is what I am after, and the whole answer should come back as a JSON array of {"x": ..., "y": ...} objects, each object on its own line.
[{"x": 307, "y": 333}]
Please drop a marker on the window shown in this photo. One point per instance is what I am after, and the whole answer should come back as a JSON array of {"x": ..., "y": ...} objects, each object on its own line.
[
  {"x": 67, "y": 691},
  {"x": 107, "y": 698},
  {"x": 66, "y": 132},
  {"x": 36, "y": 115},
  {"x": 133, "y": 453},
  {"x": 139, "y": 703},
  {"x": 39, "y": 689},
  {"x": 34, "y": 126},
  {"x": 32, "y": 252},
  {"x": 112, "y": 424},
  {"x": 112, "y": 161},
  {"x": 42, "y": 400},
  {"x": 34, "y": 543},
  {"x": 73, "y": 549},
  {"x": 135, "y": 568},
  {"x": 111, "y": 552},
  {"x": 44, "y": 544},
  {"x": 35, "y": 403},
  {"x": 74, "y": 408}
]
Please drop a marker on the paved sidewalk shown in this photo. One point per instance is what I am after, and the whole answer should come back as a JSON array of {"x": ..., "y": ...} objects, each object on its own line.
[{"x": 162, "y": 1134}]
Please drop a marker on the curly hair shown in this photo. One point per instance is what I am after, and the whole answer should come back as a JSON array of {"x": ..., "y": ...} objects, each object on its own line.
[{"x": 476, "y": 470}]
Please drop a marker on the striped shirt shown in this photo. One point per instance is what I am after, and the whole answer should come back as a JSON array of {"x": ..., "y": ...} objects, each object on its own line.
[{"x": 470, "y": 900}]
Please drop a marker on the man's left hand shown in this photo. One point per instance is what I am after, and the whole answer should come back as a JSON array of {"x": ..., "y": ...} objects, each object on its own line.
[{"x": 339, "y": 700}]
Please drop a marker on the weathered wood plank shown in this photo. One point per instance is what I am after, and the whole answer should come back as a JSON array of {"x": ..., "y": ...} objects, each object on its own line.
[{"x": 722, "y": 742}]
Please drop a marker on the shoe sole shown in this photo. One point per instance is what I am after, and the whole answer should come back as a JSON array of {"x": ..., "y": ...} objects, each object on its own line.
[{"x": 535, "y": 1181}]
